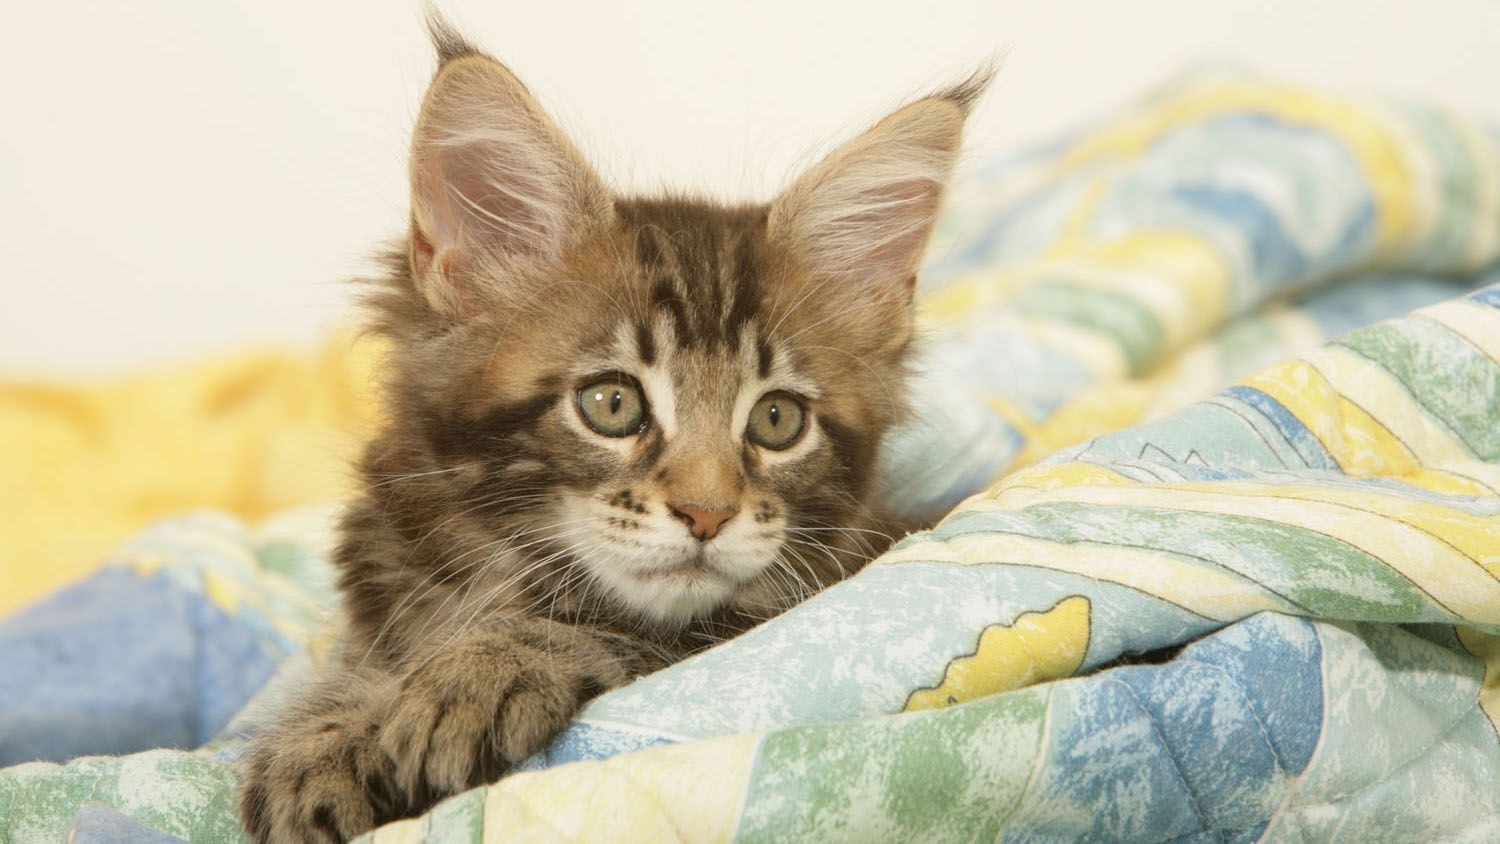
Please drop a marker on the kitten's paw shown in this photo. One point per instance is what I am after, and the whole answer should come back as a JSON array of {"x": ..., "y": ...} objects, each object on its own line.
[
  {"x": 468, "y": 713},
  {"x": 322, "y": 781}
]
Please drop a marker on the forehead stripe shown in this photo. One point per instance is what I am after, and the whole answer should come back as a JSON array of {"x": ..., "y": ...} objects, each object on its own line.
[
  {"x": 744, "y": 292},
  {"x": 664, "y": 296},
  {"x": 645, "y": 343},
  {"x": 764, "y": 357}
]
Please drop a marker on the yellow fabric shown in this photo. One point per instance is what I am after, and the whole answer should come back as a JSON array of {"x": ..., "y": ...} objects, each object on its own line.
[
  {"x": 85, "y": 465},
  {"x": 1038, "y": 646}
]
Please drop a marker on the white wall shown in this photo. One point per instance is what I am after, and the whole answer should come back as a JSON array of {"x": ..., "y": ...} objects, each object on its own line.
[{"x": 181, "y": 176}]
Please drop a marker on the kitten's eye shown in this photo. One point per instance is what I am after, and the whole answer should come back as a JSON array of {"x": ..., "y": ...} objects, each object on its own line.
[
  {"x": 775, "y": 421},
  {"x": 613, "y": 407}
]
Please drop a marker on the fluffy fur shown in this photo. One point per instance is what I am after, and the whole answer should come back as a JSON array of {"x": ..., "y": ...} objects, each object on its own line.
[{"x": 505, "y": 562}]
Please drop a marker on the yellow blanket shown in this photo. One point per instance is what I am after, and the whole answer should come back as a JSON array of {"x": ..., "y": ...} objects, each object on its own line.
[{"x": 84, "y": 465}]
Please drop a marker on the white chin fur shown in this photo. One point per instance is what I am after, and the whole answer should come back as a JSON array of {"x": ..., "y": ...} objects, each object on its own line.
[{"x": 671, "y": 599}]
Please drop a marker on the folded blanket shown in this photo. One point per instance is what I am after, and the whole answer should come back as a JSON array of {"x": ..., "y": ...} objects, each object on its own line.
[
  {"x": 1325, "y": 534},
  {"x": 1355, "y": 485}
]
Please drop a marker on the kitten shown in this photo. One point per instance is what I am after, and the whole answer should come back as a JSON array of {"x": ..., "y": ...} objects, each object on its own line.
[{"x": 619, "y": 431}]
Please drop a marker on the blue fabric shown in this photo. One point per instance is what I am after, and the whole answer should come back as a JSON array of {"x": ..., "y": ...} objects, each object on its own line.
[
  {"x": 119, "y": 663},
  {"x": 99, "y": 824}
]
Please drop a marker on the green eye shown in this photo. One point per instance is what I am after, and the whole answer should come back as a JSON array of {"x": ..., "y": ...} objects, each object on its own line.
[
  {"x": 775, "y": 421},
  {"x": 613, "y": 406}
]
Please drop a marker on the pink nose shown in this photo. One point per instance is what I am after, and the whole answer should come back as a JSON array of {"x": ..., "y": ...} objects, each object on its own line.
[{"x": 702, "y": 523}]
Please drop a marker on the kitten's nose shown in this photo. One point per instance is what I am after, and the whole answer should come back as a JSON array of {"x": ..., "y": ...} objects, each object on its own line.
[{"x": 702, "y": 523}]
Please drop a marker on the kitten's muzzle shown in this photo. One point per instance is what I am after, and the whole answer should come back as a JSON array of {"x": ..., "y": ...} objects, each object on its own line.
[{"x": 702, "y": 522}]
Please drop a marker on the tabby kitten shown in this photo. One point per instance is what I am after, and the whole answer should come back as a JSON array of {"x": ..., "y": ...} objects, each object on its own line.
[{"x": 619, "y": 430}]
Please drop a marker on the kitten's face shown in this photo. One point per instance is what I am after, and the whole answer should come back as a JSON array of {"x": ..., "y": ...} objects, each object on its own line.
[
  {"x": 715, "y": 439},
  {"x": 680, "y": 421},
  {"x": 665, "y": 406},
  {"x": 703, "y": 459}
]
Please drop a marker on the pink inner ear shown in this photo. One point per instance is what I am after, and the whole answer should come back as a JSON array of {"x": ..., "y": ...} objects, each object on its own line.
[
  {"x": 888, "y": 229},
  {"x": 422, "y": 251},
  {"x": 440, "y": 269},
  {"x": 494, "y": 192}
]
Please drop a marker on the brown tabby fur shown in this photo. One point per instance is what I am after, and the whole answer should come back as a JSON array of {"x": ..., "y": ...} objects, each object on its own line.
[{"x": 473, "y": 634}]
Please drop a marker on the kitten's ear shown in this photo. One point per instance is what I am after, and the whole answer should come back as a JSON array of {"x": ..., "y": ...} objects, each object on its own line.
[
  {"x": 860, "y": 219},
  {"x": 495, "y": 183}
]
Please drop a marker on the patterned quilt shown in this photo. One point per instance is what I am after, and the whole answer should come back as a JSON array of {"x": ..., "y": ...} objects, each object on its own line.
[{"x": 1214, "y": 562}]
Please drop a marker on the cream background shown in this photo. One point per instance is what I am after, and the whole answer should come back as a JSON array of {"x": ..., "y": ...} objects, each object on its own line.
[{"x": 177, "y": 177}]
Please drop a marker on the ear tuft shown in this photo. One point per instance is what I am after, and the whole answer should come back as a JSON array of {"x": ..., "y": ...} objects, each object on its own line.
[
  {"x": 447, "y": 40},
  {"x": 967, "y": 92}
]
